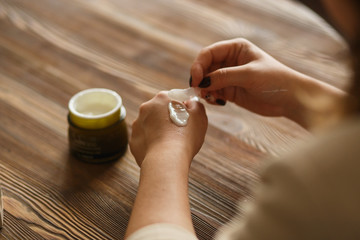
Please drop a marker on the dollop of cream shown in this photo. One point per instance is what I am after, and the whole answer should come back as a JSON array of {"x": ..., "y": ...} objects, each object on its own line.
[
  {"x": 178, "y": 113},
  {"x": 177, "y": 110}
]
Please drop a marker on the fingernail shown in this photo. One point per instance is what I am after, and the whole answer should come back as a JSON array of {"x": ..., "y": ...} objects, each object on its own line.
[
  {"x": 205, "y": 82},
  {"x": 190, "y": 81},
  {"x": 210, "y": 98},
  {"x": 220, "y": 102}
]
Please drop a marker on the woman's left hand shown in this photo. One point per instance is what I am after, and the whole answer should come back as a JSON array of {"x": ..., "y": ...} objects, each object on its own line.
[
  {"x": 153, "y": 131},
  {"x": 164, "y": 152}
]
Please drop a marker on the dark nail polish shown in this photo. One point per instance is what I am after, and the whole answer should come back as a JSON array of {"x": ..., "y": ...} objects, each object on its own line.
[
  {"x": 205, "y": 82},
  {"x": 190, "y": 81},
  {"x": 220, "y": 102}
]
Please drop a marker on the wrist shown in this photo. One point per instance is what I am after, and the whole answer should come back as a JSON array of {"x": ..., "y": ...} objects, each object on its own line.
[
  {"x": 163, "y": 189},
  {"x": 309, "y": 98},
  {"x": 168, "y": 156}
]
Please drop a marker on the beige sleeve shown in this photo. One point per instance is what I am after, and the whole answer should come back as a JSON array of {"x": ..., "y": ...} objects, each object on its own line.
[
  {"x": 311, "y": 194},
  {"x": 279, "y": 198},
  {"x": 162, "y": 231}
]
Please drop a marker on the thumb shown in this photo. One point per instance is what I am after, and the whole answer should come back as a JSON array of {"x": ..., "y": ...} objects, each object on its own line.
[{"x": 226, "y": 77}]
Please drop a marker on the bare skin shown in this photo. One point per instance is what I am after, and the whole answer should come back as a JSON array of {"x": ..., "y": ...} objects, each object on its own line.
[
  {"x": 242, "y": 73},
  {"x": 164, "y": 152}
]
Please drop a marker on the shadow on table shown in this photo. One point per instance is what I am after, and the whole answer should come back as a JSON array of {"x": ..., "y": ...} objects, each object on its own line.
[{"x": 80, "y": 175}]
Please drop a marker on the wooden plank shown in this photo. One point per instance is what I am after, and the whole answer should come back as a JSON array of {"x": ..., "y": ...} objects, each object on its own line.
[{"x": 51, "y": 49}]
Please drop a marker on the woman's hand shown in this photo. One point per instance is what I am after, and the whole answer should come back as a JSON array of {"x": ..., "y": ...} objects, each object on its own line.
[
  {"x": 240, "y": 72},
  {"x": 164, "y": 152},
  {"x": 154, "y": 131}
]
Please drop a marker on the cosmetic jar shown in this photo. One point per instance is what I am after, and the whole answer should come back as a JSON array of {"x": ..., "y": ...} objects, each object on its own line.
[{"x": 97, "y": 129}]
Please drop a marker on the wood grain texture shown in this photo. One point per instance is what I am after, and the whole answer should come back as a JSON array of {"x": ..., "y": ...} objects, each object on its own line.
[{"x": 52, "y": 49}]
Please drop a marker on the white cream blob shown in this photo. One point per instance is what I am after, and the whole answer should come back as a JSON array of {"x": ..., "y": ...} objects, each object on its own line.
[
  {"x": 183, "y": 95},
  {"x": 178, "y": 113}
]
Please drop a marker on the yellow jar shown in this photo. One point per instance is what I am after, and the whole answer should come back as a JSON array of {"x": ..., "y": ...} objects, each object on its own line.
[{"x": 97, "y": 128}]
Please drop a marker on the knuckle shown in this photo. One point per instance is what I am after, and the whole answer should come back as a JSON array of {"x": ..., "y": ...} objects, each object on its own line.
[
  {"x": 243, "y": 44},
  {"x": 242, "y": 40},
  {"x": 162, "y": 94},
  {"x": 134, "y": 124},
  {"x": 204, "y": 51},
  {"x": 222, "y": 75},
  {"x": 160, "y": 98},
  {"x": 142, "y": 107}
]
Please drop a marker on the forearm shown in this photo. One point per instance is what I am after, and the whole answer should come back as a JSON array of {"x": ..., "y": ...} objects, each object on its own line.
[
  {"x": 163, "y": 191},
  {"x": 310, "y": 97}
]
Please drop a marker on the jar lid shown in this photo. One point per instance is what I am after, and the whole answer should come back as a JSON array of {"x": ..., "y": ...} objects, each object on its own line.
[{"x": 95, "y": 108}]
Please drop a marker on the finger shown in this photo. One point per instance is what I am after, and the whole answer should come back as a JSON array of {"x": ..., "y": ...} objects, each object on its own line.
[
  {"x": 239, "y": 76},
  {"x": 216, "y": 98},
  {"x": 224, "y": 51},
  {"x": 196, "y": 74},
  {"x": 208, "y": 96},
  {"x": 219, "y": 97},
  {"x": 229, "y": 93}
]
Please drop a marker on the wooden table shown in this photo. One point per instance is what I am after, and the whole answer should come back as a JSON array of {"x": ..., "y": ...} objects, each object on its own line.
[{"x": 52, "y": 49}]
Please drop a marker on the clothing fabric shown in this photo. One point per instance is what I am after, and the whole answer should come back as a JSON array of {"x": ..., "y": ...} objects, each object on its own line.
[
  {"x": 162, "y": 231},
  {"x": 313, "y": 193}
]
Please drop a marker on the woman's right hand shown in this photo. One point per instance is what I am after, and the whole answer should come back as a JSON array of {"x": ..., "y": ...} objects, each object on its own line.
[
  {"x": 153, "y": 131},
  {"x": 240, "y": 72}
]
